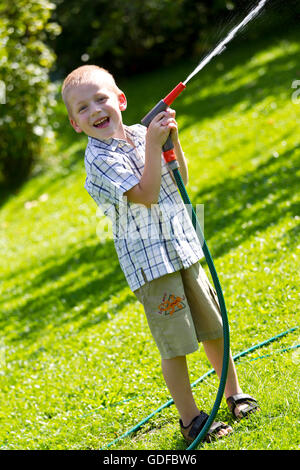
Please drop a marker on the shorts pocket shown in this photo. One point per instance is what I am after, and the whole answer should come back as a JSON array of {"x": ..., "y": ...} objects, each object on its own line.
[{"x": 174, "y": 335}]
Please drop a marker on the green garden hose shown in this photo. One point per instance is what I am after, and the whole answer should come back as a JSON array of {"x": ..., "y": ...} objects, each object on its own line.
[
  {"x": 171, "y": 160},
  {"x": 218, "y": 288}
]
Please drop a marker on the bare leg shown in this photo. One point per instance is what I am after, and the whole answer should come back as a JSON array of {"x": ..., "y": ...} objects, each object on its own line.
[
  {"x": 176, "y": 376},
  {"x": 214, "y": 352}
]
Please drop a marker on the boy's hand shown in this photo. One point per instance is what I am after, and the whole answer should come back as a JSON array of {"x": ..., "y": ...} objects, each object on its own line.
[
  {"x": 147, "y": 190},
  {"x": 161, "y": 126},
  {"x": 174, "y": 128}
]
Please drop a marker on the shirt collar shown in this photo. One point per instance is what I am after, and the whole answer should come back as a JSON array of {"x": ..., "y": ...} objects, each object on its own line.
[{"x": 113, "y": 143}]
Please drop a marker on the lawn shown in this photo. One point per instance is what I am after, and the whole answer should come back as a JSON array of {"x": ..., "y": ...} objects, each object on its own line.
[{"x": 78, "y": 366}]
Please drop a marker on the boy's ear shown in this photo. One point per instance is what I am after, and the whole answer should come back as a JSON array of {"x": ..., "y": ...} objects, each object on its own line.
[
  {"x": 122, "y": 101},
  {"x": 75, "y": 125}
]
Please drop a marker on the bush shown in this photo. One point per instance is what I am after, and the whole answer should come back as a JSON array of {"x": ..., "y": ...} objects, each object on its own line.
[
  {"x": 27, "y": 95},
  {"x": 130, "y": 36}
]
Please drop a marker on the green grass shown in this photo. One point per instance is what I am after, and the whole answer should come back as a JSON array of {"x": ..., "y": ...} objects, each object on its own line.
[{"x": 78, "y": 366}]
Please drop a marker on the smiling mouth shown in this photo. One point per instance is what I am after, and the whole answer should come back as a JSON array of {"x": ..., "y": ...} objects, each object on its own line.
[{"x": 100, "y": 123}]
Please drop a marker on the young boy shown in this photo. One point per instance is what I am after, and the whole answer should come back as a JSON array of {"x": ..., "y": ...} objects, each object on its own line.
[{"x": 125, "y": 169}]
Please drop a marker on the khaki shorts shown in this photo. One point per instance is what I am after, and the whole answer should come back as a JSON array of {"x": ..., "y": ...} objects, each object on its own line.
[{"x": 182, "y": 310}]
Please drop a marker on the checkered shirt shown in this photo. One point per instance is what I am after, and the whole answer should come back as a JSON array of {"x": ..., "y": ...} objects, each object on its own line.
[{"x": 150, "y": 242}]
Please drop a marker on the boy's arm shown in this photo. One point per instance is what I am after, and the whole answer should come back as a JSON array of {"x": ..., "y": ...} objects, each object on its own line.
[{"x": 147, "y": 190}]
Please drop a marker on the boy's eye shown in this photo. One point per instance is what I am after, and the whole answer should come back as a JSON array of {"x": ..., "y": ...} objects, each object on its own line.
[{"x": 81, "y": 108}]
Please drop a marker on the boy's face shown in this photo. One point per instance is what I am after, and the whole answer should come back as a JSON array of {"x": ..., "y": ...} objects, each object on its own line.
[{"x": 96, "y": 110}]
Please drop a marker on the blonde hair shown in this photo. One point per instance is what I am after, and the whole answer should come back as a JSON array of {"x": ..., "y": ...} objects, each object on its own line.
[{"x": 84, "y": 74}]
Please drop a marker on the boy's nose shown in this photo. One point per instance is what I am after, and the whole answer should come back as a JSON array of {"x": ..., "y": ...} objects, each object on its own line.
[{"x": 95, "y": 108}]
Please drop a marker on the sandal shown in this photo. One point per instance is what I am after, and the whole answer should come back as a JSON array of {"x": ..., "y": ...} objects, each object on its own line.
[
  {"x": 191, "y": 431},
  {"x": 239, "y": 399}
]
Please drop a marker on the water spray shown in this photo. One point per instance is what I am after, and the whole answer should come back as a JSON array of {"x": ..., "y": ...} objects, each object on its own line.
[
  {"x": 170, "y": 158},
  {"x": 163, "y": 104},
  {"x": 222, "y": 45}
]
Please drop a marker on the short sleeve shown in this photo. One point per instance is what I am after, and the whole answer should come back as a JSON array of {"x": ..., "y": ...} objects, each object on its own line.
[{"x": 110, "y": 176}]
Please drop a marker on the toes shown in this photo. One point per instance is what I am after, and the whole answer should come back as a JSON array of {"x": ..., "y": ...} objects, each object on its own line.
[
  {"x": 228, "y": 430},
  {"x": 224, "y": 431},
  {"x": 238, "y": 410}
]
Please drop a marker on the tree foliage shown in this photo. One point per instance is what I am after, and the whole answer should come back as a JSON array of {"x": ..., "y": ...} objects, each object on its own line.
[
  {"x": 126, "y": 36},
  {"x": 131, "y": 36},
  {"x": 27, "y": 95}
]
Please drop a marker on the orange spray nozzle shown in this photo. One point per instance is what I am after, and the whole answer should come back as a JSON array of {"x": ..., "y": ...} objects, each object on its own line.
[
  {"x": 174, "y": 93},
  {"x": 162, "y": 105}
]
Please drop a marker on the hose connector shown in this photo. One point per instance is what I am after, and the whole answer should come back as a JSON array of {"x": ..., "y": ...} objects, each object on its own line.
[{"x": 162, "y": 105}]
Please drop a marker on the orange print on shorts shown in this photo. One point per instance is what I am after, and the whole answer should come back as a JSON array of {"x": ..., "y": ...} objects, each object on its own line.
[{"x": 171, "y": 304}]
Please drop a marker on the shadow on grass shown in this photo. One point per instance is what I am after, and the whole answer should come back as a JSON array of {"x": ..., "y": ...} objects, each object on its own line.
[
  {"x": 52, "y": 297},
  {"x": 231, "y": 206},
  {"x": 267, "y": 79},
  {"x": 70, "y": 288},
  {"x": 145, "y": 90},
  {"x": 57, "y": 296}
]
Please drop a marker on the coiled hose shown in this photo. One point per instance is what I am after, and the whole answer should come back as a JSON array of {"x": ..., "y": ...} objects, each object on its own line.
[
  {"x": 170, "y": 158},
  {"x": 201, "y": 379}
]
